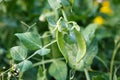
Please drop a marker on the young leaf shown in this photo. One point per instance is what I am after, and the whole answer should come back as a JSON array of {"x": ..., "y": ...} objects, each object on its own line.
[
  {"x": 18, "y": 53},
  {"x": 54, "y": 4},
  {"x": 51, "y": 21},
  {"x": 43, "y": 51},
  {"x": 30, "y": 40},
  {"x": 25, "y": 65},
  {"x": 89, "y": 32},
  {"x": 58, "y": 70}
]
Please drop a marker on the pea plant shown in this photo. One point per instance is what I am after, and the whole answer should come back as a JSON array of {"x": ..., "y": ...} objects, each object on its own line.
[{"x": 59, "y": 53}]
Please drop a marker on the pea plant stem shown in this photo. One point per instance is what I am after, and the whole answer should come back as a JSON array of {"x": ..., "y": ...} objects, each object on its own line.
[
  {"x": 46, "y": 61},
  {"x": 64, "y": 15},
  {"x": 43, "y": 47},
  {"x": 56, "y": 14},
  {"x": 112, "y": 60},
  {"x": 5, "y": 71},
  {"x": 86, "y": 74}
]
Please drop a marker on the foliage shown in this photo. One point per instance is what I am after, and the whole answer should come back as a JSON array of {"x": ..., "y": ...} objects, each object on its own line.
[{"x": 59, "y": 40}]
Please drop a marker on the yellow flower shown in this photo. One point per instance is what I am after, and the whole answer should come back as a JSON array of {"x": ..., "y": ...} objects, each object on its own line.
[
  {"x": 106, "y": 8},
  {"x": 99, "y": 20}
]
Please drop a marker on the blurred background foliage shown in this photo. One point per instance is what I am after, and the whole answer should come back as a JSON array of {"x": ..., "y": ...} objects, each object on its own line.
[{"x": 16, "y": 14}]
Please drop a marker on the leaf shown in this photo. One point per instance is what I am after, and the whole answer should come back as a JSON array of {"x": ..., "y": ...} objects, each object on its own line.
[
  {"x": 90, "y": 4},
  {"x": 55, "y": 4},
  {"x": 43, "y": 51},
  {"x": 28, "y": 75},
  {"x": 51, "y": 21},
  {"x": 118, "y": 78},
  {"x": 97, "y": 78},
  {"x": 115, "y": 74},
  {"x": 65, "y": 3},
  {"x": 30, "y": 40},
  {"x": 98, "y": 75},
  {"x": 89, "y": 32},
  {"x": 18, "y": 53},
  {"x": 92, "y": 50},
  {"x": 25, "y": 65},
  {"x": 58, "y": 70}
]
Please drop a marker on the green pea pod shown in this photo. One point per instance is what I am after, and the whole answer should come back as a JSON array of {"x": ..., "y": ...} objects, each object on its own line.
[
  {"x": 73, "y": 53},
  {"x": 61, "y": 45}
]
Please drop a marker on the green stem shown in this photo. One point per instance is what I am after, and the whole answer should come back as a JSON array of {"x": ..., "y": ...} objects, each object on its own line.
[
  {"x": 5, "y": 71},
  {"x": 64, "y": 15},
  {"x": 56, "y": 14},
  {"x": 20, "y": 76},
  {"x": 43, "y": 47},
  {"x": 50, "y": 44},
  {"x": 112, "y": 60},
  {"x": 44, "y": 69},
  {"x": 46, "y": 61},
  {"x": 102, "y": 62},
  {"x": 43, "y": 63},
  {"x": 86, "y": 74},
  {"x": 1, "y": 76}
]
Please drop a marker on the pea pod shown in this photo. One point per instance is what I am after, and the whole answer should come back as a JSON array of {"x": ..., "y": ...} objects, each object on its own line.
[{"x": 73, "y": 53}]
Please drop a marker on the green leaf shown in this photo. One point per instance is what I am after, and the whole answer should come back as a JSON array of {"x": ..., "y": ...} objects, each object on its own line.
[
  {"x": 89, "y": 32},
  {"x": 118, "y": 78},
  {"x": 55, "y": 4},
  {"x": 90, "y": 4},
  {"x": 30, "y": 40},
  {"x": 43, "y": 51},
  {"x": 97, "y": 78},
  {"x": 58, "y": 70},
  {"x": 92, "y": 51},
  {"x": 18, "y": 53},
  {"x": 65, "y": 3},
  {"x": 115, "y": 74},
  {"x": 86, "y": 61},
  {"x": 51, "y": 21},
  {"x": 25, "y": 65},
  {"x": 98, "y": 75}
]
